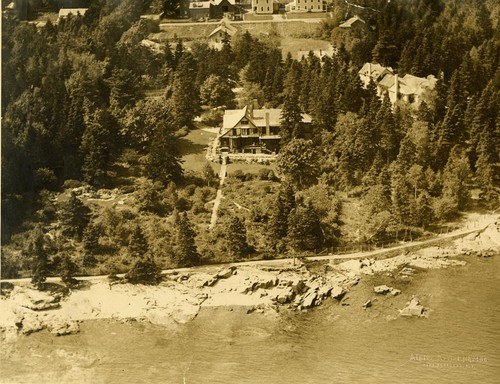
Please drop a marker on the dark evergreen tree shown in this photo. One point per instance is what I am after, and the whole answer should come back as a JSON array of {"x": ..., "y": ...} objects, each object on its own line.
[
  {"x": 235, "y": 238},
  {"x": 98, "y": 146},
  {"x": 186, "y": 253},
  {"x": 304, "y": 229},
  {"x": 75, "y": 216},
  {"x": 291, "y": 119},
  {"x": 298, "y": 162},
  {"x": 137, "y": 245},
  {"x": 67, "y": 270},
  {"x": 185, "y": 101},
  {"x": 277, "y": 227},
  {"x": 163, "y": 162},
  {"x": 144, "y": 271},
  {"x": 36, "y": 250}
]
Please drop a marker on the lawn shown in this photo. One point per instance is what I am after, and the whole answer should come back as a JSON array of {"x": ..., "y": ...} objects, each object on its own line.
[
  {"x": 248, "y": 168},
  {"x": 193, "y": 150},
  {"x": 294, "y": 45}
]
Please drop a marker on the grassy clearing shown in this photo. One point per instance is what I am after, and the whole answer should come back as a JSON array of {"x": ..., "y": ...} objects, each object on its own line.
[
  {"x": 248, "y": 167},
  {"x": 193, "y": 150},
  {"x": 294, "y": 45}
]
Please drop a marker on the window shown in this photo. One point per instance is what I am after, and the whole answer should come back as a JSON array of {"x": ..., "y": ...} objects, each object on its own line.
[
  {"x": 268, "y": 8},
  {"x": 234, "y": 132},
  {"x": 262, "y": 8}
]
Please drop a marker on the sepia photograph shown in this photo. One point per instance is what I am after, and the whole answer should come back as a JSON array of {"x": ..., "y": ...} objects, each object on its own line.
[{"x": 250, "y": 192}]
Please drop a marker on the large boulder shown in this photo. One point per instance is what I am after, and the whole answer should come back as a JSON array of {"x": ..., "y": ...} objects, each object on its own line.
[
  {"x": 27, "y": 322},
  {"x": 310, "y": 299},
  {"x": 384, "y": 289},
  {"x": 61, "y": 327},
  {"x": 268, "y": 283},
  {"x": 34, "y": 300},
  {"x": 337, "y": 292},
  {"x": 284, "y": 296},
  {"x": 225, "y": 273},
  {"x": 412, "y": 308}
]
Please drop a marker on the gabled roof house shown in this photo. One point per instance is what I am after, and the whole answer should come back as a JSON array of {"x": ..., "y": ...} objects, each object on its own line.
[
  {"x": 375, "y": 72},
  {"x": 253, "y": 131}
]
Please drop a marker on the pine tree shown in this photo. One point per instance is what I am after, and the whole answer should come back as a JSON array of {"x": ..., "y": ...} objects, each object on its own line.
[
  {"x": 36, "y": 250},
  {"x": 386, "y": 126},
  {"x": 137, "y": 245},
  {"x": 304, "y": 229},
  {"x": 298, "y": 162},
  {"x": 75, "y": 216},
  {"x": 277, "y": 228},
  {"x": 185, "y": 101},
  {"x": 487, "y": 160},
  {"x": 67, "y": 269},
  {"x": 144, "y": 271},
  {"x": 209, "y": 175},
  {"x": 186, "y": 253},
  {"x": 97, "y": 147},
  {"x": 291, "y": 118},
  {"x": 235, "y": 237},
  {"x": 124, "y": 88},
  {"x": 163, "y": 162}
]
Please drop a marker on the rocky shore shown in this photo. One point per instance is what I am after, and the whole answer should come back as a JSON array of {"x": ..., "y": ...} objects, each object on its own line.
[{"x": 254, "y": 288}]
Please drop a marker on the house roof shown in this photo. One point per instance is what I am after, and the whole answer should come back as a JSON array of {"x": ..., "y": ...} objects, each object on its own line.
[
  {"x": 374, "y": 70},
  {"x": 223, "y": 28},
  {"x": 65, "y": 12},
  {"x": 233, "y": 117},
  {"x": 349, "y": 23},
  {"x": 387, "y": 82},
  {"x": 258, "y": 118},
  {"x": 408, "y": 84},
  {"x": 217, "y": 2},
  {"x": 199, "y": 5}
]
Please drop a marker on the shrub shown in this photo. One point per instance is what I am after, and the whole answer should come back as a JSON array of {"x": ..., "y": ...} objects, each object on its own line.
[
  {"x": 127, "y": 189},
  {"x": 70, "y": 184},
  {"x": 263, "y": 174},
  {"x": 45, "y": 179},
  {"x": 238, "y": 174},
  {"x": 130, "y": 157},
  {"x": 144, "y": 271}
]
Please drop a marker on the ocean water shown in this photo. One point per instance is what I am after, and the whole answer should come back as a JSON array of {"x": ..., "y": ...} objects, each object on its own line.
[{"x": 459, "y": 341}]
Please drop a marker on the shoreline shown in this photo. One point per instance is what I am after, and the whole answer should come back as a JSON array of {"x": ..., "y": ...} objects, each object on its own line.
[{"x": 254, "y": 288}]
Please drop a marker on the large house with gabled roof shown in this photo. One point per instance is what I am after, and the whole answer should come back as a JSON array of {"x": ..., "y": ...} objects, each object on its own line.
[{"x": 252, "y": 130}]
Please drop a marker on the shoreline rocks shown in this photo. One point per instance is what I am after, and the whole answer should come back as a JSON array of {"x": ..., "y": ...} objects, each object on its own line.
[
  {"x": 413, "y": 308},
  {"x": 384, "y": 290}
]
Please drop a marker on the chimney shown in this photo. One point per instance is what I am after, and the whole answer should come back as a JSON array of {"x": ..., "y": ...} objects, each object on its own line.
[
  {"x": 255, "y": 104},
  {"x": 250, "y": 110},
  {"x": 267, "y": 124}
]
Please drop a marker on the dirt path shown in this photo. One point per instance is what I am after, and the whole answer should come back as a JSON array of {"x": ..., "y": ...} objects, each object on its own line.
[{"x": 215, "y": 209}]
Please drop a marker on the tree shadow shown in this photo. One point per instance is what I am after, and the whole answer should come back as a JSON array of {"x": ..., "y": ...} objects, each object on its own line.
[{"x": 188, "y": 147}]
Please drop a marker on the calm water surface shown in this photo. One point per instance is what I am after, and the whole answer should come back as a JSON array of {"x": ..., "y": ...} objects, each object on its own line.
[{"x": 458, "y": 343}]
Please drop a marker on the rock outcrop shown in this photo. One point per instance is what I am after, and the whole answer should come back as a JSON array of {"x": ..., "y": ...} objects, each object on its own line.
[
  {"x": 413, "y": 308},
  {"x": 384, "y": 289},
  {"x": 34, "y": 300}
]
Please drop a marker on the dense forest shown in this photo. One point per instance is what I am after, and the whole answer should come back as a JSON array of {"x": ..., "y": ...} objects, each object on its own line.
[{"x": 75, "y": 117}]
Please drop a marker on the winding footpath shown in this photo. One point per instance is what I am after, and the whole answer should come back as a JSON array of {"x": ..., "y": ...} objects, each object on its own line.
[{"x": 215, "y": 209}]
